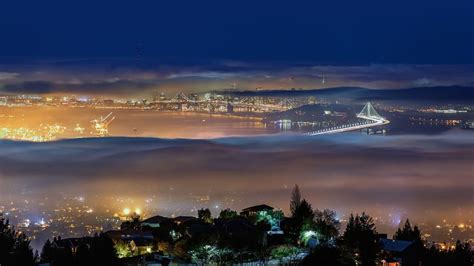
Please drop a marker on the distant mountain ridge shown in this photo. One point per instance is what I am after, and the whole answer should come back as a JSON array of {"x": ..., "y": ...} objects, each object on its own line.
[{"x": 436, "y": 93}]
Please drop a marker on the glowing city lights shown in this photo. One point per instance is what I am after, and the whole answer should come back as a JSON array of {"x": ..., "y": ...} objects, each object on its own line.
[{"x": 126, "y": 211}]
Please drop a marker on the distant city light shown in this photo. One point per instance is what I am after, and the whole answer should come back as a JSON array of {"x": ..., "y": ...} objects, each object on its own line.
[{"x": 126, "y": 211}]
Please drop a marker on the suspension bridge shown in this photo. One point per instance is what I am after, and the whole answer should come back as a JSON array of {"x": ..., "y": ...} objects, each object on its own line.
[
  {"x": 369, "y": 118},
  {"x": 285, "y": 104}
]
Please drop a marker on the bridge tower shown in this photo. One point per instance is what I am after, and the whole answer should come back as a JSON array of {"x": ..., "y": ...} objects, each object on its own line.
[
  {"x": 369, "y": 112},
  {"x": 180, "y": 97}
]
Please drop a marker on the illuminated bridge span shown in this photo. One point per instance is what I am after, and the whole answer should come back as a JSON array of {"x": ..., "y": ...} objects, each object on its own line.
[
  {"x": 286, "y": 104},
  {"x": 368, "y": 113}
]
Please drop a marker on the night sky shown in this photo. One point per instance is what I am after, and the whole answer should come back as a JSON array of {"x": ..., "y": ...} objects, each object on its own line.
[
  {"x": 185, "y": 32},
  {"x": 120, "y": 48}
]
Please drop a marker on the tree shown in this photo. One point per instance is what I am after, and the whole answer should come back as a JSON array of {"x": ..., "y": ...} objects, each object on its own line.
[
  {"x": 360, "y": 237},
  {"x": 295, "y": 200},
  {"x": 210, "y": 254},
  {"x": 102, "y": 251},
  {"x": 205, "y": 215},
  {"x": 327, "y": 226},
  {"x": 22, "y": 252},
  {"x": 94, "y": 251},
  {"x": 47, "y": 252},
  {"x": 271, "y": 217},
  {"x": 463, "y": 255},
  {"x": 123, "y": 249},
  {"x": 308, "y": 232},
  {"x": 408, "y": 233},
  {"x": 14, "y": 246},
  {"x": 302, "y": 216},
  {"x": 304, "y": 212},
  {"x": 227, "y": 214},
  {"x": 202, "y": 247},
  {"x": 134, "y": 223}
]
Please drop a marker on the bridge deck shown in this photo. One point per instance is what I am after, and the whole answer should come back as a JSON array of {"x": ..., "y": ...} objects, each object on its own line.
[{"x": 371, "y": 122}]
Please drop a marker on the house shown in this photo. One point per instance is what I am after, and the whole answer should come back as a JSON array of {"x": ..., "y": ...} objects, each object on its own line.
[
  {"x": 126, "y": 234},
  {"x": 234, "y": 226},
  {"x": 141, "y": 245},
  {"x": 154, "y": 221},
  {"x": 71, "y": 243},
  {"x": 397, "y": 252},
  {"x": 254, "y": 210},
  {"x": 199, "y": 227},
  {"x": 183, "y": 219},
  {"x": 240, "y": 230}
]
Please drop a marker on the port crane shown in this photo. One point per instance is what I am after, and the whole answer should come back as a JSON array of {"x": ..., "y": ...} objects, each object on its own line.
[{"x": 100, "y": 127}]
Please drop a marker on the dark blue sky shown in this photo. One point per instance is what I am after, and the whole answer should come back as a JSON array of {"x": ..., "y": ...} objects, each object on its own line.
[{"x": 332, "y": 32}]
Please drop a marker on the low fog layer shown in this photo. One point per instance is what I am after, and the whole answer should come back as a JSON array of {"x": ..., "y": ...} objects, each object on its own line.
[{"x": 419, "y": 176}]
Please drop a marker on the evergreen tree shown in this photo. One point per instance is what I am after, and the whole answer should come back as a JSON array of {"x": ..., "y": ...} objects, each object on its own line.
[
  {"x": 295, "y": 200},
  {"x": 14, "y": 246},
  {"x": 47, "y": 252},
  {"x": 205, "y": 215},
  {"x": 302, "y": 220},
  {"x": 327, "y": 226},
  {"x": 304, "y": 212},
  {"x": 360, "y": 237},
  {"x": 463, "y": 255},
  {"x": 95, "y": 251},
  {"x": 227, "y": 214},
  {"x": 134, "y": 223},
  {"x": 102, "y": 251},
  {"x": 408, "y": 233}
]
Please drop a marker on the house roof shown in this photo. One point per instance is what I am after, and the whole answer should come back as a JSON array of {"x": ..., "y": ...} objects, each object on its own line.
[
  {"x": 239, "y": 225},
  {"x": 155, "y": 219},
  {"x": 73, "y": 242},
  {"x": 257, "y": 208},
  {"x": 183, "y": 219},
  {"x": 128, "y": 234},
  {"x": 395, "y": 245}
]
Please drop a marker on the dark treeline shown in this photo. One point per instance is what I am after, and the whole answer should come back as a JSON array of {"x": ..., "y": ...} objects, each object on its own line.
[
  {"x": 96, "y": 250},
  {"x": 14, "y": 246},
  {"x": 307, "y": 237}
]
